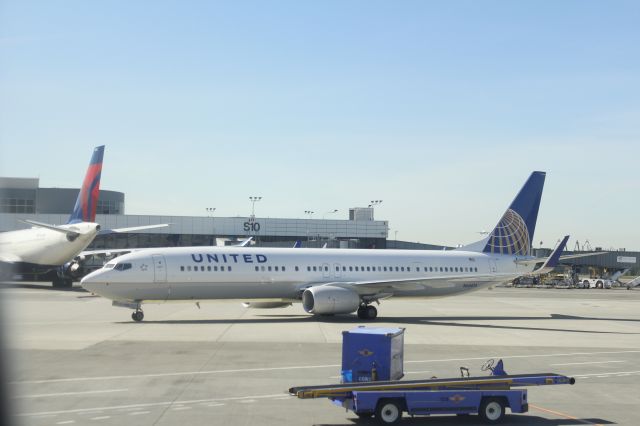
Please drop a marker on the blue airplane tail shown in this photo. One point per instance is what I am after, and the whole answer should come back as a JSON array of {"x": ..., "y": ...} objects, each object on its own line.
[
  {"x": 87, "y": 201},
  {"x": 513, "y": 235}
]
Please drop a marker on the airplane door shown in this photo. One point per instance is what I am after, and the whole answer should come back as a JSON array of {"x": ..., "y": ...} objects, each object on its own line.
[
  {"x": 336, "y": 266},
  {"x": 326, "y": 273},
  {"x": 159, "y": 269},
  {"x": 492, "y": 265}
]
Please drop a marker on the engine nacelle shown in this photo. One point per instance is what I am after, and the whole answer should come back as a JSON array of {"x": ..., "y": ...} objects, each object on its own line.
[
  {"x": 330, "y": 300},
  {"x": 266, "y": 305}
]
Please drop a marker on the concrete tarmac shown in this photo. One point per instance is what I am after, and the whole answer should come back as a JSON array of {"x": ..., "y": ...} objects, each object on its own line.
[{"x": 76, "y": 360}]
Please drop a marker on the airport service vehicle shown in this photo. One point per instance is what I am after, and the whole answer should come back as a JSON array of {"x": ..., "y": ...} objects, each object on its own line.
[
  {"x": 45, "y": 247},
  {"x": 610, "y": 282},
  {"x": 327, "y": 281},
  {"x": 387, "y": 400},
  {"x": 596, "y": 283}
]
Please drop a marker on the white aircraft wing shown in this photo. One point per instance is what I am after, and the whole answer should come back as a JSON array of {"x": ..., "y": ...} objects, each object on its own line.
[
  {"x": 387, "y": 288},
  {"x": 132, "y": 229},
  {"x": 576, "y": 256},
  {"x": 106, "y": 252}
]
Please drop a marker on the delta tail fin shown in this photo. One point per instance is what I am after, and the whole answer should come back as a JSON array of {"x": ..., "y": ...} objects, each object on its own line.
[
  {"x": 513, "y": 235},
  {"x": 86, "y": 204}
]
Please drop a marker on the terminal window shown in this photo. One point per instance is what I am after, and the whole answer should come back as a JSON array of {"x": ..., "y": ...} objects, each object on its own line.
[{"x": 16, "y": 205}]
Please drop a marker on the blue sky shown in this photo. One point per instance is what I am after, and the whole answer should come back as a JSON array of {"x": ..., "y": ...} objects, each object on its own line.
[{"x": 441, "y": 109}]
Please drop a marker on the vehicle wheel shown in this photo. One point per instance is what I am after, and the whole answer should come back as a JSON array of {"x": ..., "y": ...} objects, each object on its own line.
[
  {"x": 599, "y": 284},
  {"x": 137, "y": 316},
  {"x": 491, "y": 410},
  {"x": 372, "y": 312},
  {"x": 388, "y": 412}
]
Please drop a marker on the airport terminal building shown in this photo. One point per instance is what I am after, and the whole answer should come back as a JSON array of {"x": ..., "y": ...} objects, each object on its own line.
[{"x": 22, "y": 198}]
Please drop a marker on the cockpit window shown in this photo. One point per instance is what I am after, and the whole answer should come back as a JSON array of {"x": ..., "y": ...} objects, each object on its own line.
[
  {"x": 110, "y": 265},
  {"x": 123, "y": 266}
]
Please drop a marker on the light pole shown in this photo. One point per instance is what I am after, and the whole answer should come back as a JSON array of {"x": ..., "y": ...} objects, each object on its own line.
[
  {"x": 310, "y": 213},
  {"x": 375, "y": 203},
  {"x": 254, "y": 200},
  {"x": 210, "y": 211},
  {"x": 330, "y": 212}
]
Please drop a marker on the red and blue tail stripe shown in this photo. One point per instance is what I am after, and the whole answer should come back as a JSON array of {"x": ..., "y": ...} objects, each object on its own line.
[{"x": 86, "y": 204}]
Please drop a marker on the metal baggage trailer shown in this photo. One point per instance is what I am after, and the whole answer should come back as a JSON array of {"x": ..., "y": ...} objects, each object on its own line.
[
  {"x": 388, "y": 407},
  {"x": 487, "y": 396}
]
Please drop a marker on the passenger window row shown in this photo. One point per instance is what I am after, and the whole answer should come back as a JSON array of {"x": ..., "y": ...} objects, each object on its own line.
[
  {"x": 205, "y": 268},
  {"x": 271, "y": 268},
  {"x": 325, "y": 268}
]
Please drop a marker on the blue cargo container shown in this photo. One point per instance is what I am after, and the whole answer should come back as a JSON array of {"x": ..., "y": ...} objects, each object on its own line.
[{"x": 372, "y": 354}]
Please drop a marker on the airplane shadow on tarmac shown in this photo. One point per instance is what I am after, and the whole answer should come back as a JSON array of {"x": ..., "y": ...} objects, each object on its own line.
[
  {"x": 431, "y": 321},
  {"x": 509, "y": 420},
  {"x": 41, "y": 286}
]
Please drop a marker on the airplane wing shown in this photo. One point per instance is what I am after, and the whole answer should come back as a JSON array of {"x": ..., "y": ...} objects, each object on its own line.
[
  {"x": 381, "y": 289},
  {"x": 106, "y": 252},
  {"x": 244, "y": 242},
  {"x": 576, "y": 256},
  {"x": 51, "y": 227},
  {"x": 132, "y": 229}
]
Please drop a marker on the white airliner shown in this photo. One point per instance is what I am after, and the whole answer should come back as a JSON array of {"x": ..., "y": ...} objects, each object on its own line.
[
  {"x": 45, "y": 247},
  {"x": 326, "y": 281}
]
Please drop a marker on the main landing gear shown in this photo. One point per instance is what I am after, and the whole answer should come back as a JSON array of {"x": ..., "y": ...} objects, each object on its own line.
[
  {"x": 138, "y": 315},
  {"x": 367, "y": 312}
]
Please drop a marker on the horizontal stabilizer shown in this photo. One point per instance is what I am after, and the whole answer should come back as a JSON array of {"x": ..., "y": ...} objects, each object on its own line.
[{"x": 51, "y": 227}]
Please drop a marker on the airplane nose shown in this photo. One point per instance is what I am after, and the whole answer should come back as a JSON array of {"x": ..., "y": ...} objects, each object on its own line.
[{"x": 92, "y": 282}]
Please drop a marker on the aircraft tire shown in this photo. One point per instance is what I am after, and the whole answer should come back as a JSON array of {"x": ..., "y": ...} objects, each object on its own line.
[
  {"x": 362, "y": 312},
  {"x": 137, "y": 316},
  {"x": 371, "y": 312}
]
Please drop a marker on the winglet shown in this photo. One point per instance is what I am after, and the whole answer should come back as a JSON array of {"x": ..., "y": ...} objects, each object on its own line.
[
  {"x": 554, "y": 258},
  {"x": 87, "y": 201}
]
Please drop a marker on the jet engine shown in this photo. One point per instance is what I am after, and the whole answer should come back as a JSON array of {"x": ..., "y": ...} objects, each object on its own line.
[{"x": 330, "y": 300}]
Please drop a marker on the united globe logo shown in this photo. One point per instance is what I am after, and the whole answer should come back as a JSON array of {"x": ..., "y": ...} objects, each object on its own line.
[{"x": 510, "y": 236}]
